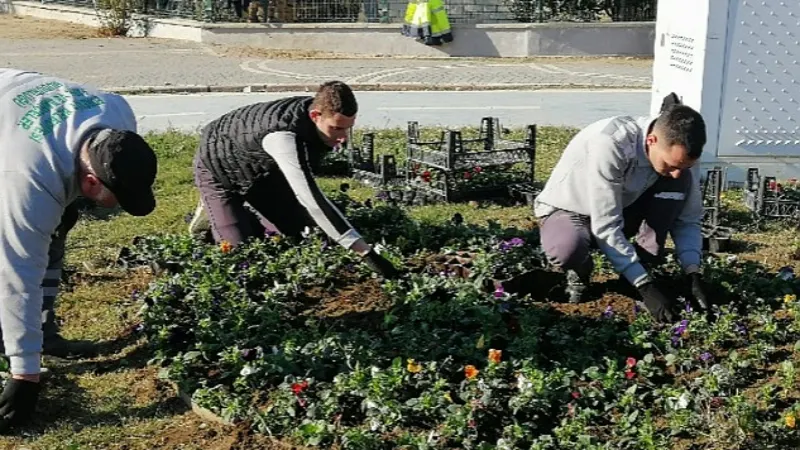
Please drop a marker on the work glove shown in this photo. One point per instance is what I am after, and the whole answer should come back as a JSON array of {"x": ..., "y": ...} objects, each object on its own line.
[
  {"x": 699, "y": 291},
  {"x": 17, "y": 403},
  {"x": 380, "y": 265},
  {"x": 657, "y": 303}
]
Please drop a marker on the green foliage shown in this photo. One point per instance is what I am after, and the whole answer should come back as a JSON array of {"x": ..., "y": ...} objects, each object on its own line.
[
  {"x": 562, "y": 378},
  {"x": 441, "y": 362}
]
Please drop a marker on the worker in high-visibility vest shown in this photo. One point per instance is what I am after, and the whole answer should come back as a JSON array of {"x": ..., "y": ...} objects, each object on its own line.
[{"x": 427, "y": 21}]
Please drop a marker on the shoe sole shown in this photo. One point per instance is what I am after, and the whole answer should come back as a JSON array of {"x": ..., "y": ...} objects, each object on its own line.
[{"x": 199, "y": 223}]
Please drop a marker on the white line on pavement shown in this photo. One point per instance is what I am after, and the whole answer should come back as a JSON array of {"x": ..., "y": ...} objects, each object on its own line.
[
  {"x": 264, "y": 66},
  {"x": 542, "y": 69},
  {"x": 557, "y": 69},
  {"x": 263, "y": 69},
  {"x": 463, "y": 93},
  {"x": 380, "y": 77},
  {"x": 146, "y": 116},
  {"x": 432, "y": 108},
  {"x": 368, "y": 76}
]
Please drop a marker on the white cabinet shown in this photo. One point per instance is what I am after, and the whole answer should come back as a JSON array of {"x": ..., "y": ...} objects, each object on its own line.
[{"x": 738, "y": 63}]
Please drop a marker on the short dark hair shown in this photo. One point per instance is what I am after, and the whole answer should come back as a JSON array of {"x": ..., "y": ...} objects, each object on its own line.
[
  {"x": 682, "y": 125},
  {"x": 335, "y": 97}
]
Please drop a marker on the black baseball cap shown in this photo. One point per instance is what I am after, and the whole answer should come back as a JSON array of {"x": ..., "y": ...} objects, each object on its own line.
[{"x": 127, "y": 166}]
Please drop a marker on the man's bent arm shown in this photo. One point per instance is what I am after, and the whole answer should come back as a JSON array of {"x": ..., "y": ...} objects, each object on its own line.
[
  {"x": 292, "y": 161},
  {"x": 687, "y": 232},
  {"x": 605, "y": 178},
  {"x": 28, "y": 216}
]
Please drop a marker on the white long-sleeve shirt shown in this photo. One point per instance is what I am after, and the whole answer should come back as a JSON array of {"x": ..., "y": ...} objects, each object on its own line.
[
  {"x": 289, "y": 155},
  {"x": 43, "y": 123}
]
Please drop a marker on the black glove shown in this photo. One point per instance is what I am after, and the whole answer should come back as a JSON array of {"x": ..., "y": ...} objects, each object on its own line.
[
  {"x": 17, "y": 403},
  {"x": 380, "y": 265},
  {"x": 699, "y": 291},
  {"x": 657, "y": 303}
]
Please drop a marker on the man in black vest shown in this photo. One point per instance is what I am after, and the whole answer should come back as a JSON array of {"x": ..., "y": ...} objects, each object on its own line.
[{"x": 264, "y": 154}]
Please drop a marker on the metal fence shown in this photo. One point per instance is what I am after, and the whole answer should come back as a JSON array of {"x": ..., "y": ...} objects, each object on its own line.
[{"x": 384, "y": 11}]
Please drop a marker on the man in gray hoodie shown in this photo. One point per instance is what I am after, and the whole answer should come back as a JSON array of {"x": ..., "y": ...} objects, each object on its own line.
[
  {"x": 621, "y": 177},
  {"x": 58, "y": 140}
]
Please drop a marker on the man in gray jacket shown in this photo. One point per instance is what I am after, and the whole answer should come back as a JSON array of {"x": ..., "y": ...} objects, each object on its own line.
[
  {"x": 58, "y": 140},
  {"x": 621, "y": 177}
]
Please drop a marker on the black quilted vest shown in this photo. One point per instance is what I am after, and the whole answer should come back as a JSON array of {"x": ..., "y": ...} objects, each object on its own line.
[{"x": 231, "y": 149}]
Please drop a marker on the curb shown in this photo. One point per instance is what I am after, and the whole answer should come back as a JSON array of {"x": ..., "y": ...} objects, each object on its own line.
[{"x": 251, "y": 88}]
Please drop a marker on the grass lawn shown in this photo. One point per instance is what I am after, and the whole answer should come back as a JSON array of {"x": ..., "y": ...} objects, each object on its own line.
[{"x": 116, "y": 401}]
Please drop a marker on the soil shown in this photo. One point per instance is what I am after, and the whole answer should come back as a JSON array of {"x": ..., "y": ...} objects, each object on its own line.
[
  {"x": 148, "y": 388},
  {"x": 546, "y": 288},
  {"x": 192, "y": 432},
  {"x": 621, "y": 306},
  {"x": 24, "y": 27},
  {"x": 362, "y": 302},
  {"x": 350, "y": 300}
]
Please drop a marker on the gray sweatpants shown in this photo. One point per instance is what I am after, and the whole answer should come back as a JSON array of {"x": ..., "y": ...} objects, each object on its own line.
[
  {"x": 52, "y": 278},
  {"x": 567, "y": 239}
]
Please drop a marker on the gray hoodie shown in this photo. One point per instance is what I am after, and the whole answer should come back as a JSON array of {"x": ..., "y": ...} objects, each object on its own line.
[
  {"x": 605, "y": 169},
  {"x": 43, "y": 123}
]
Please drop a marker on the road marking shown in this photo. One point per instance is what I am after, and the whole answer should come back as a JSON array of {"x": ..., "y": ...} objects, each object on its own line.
[
  {"x": 557, "y": 69},
  {"x": 368, "y": 76},
  {"x": 263, "y": 66},
  {"x": 378, "y": 78},
  {"x": 542, "y": 69},
  {"x": 246, "y": 66},
  {"x": 262, "y": 69},
  {"x": 456, "y": 108},
  {"x": 460, "y": 94},
  {"x": 150, "y": 116}
]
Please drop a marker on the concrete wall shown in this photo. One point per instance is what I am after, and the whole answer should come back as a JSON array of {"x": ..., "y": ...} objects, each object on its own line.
[
  {"x": 486, "y": 40},
  {"x": 502, "y": 40}
]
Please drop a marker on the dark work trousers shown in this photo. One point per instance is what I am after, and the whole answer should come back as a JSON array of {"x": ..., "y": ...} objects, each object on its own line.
[
  {"x": 52, "y": 277},
  {"x": 276, "y": 207},
  {"x": 567, "y": 238}
]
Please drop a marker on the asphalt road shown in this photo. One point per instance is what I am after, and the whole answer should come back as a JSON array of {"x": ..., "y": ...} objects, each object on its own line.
[{"x": 394, "y": 109}]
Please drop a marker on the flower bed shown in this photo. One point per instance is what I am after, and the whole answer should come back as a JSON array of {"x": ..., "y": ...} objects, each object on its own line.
[{"x": 300, "y": 341}]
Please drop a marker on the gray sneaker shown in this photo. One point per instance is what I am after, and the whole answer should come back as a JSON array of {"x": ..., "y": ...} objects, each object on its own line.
[
  {"x": 199, "y": 225},
  {"x": 576, "y": 287}
]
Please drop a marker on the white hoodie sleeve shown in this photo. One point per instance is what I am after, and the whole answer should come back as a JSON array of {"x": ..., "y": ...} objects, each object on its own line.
[{"x": 29, "y": 215}]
